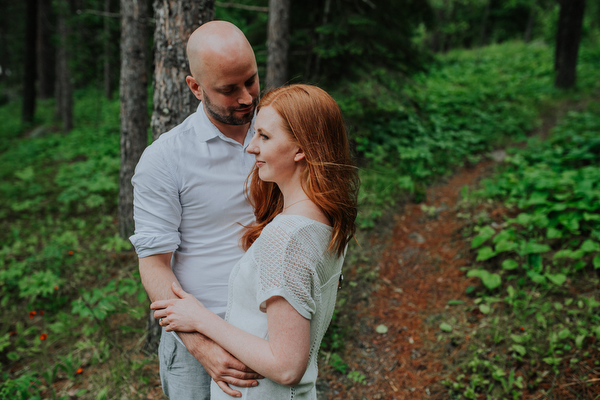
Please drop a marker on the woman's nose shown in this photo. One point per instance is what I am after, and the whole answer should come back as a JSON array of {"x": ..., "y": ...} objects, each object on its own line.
[{"x": 252, "y": 148}]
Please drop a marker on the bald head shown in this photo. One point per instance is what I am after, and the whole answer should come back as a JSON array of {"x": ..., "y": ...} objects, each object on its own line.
[{"x": 216, "y": 44}]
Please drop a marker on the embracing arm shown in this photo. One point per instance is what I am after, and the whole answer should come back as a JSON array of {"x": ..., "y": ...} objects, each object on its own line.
[
  {"x": 157, "y": 275},
  {"x": 283, "y": 358}
]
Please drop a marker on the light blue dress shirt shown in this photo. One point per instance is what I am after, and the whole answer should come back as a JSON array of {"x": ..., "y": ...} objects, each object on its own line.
[{"x": 189, "y": 199}]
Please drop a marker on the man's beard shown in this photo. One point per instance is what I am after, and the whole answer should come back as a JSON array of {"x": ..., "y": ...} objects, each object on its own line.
[{"x": 226, "y": 116}]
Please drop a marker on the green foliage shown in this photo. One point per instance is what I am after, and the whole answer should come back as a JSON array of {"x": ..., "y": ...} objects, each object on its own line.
[
  {"x": 538, "y": 265},
  {"x": 66, "y": 278},
  {"x": 409, "y": 132},
  {"x": 342, "y": 39}
]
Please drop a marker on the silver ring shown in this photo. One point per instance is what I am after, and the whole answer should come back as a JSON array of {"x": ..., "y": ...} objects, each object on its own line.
[{"x": 160, "y": 321}]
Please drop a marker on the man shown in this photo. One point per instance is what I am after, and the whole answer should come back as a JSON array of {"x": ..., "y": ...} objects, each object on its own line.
[{"x": 189, "y": 205}]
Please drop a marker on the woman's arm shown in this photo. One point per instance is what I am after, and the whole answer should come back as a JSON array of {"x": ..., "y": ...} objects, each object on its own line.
[{"x": 283, "y": 358}]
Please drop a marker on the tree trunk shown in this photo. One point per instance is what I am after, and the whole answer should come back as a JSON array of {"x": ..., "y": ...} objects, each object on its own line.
[
  {"x": 313, "y": 60},
  {"x": 134, "y": 103},
  {"x": 278, "y": 43},
  {"x": 108, "y": 87},
  {"x": 45, "y": 51},
  {"x": 175, "y": 20},
  {"x": 484, "y": 23},
  {"x": 567, "y": 42},
  {"x": 530, "y": 23},
  {"x": 29, "y": 76},
  {"x": 64, "y": 87}
]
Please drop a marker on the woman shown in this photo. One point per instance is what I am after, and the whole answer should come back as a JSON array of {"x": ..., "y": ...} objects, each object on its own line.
[{"x": 282, "y": 292}]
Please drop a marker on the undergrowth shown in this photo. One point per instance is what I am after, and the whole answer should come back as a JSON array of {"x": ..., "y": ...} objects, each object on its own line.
[
  {"x": 74, "y": 308},
  {"x": 538, "y": 303}
]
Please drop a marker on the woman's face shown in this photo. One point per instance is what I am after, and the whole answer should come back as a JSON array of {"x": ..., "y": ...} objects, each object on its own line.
[{"x": 277, "y": 155}]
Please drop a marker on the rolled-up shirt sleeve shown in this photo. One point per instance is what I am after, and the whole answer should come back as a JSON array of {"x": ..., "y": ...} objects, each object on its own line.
[{"x": 156, "y": 205}]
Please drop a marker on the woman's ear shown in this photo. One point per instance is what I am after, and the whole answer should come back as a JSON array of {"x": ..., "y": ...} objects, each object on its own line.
[{"x": 299, "y": 155}]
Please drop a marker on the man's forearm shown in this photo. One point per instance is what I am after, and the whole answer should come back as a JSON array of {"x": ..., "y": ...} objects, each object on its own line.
[{"x": 157, "y": 276}]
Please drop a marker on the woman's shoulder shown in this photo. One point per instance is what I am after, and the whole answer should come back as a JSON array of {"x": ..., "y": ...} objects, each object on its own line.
[
  {"x": 294, "y": 223},
  {"x": 297, "y": 229}
]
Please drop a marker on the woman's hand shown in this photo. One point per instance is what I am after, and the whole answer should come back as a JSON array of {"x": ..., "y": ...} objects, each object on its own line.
[{"x": 182, "y": 315}]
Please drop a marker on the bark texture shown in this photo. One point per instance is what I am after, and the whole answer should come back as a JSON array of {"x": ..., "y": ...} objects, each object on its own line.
[
  {"x": 108, "y": 86},
  {"x": 568, "y": 37},
  {"x": 175, "y": 21},
  {"x": 173, "y": 101},
  {"x": 45, "y": 51},
  {"x": 64, "y": 86},
  {"x": 278, "y": 43},
  {"x": 29, "y": 77},
  {"x": 134, "y": 103}
]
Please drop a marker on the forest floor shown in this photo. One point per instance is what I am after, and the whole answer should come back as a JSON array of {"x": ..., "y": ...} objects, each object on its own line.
[
  {"x": 415, "y": 260},
  {"x": 418, "y": 257}
]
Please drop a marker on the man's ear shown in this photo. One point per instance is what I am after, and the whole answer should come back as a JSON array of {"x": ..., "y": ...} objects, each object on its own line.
[
  {"x": 299, "y": 155},
  {"x": 194, "y": 86}
]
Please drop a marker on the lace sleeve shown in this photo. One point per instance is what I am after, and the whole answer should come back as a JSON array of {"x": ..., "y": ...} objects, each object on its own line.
[{"x": 286, "y": 263}]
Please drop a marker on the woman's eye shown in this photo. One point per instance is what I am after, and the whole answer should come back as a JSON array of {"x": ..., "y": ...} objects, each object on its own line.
[{"x": 264, "y": 137}]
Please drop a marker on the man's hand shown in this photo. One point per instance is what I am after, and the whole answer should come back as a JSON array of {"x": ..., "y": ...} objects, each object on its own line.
[{"x": 219, "y": 364}]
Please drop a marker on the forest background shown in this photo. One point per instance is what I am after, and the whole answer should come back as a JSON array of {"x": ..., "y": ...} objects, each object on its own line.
[{"x": 425, "y": 86}]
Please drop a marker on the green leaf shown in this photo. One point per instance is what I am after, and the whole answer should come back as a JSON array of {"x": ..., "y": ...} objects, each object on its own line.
[
  {"x": 485, "y": 309},
  {"x": 510, "y": 264},
  {"x": 534, "y": 248},
  {"x": 506, "y": 245},
  {"x": 381, "y": 329},
  {"x": 537, "y": 278},
  {"x": 552, "y": 360},
  {"x": 484, "y": 234},
  {"x": 485, "y": 253},
  {"x": 557, "y": 279},
  {"x": 489, "y": 280},
  {"x": 445, "y": 327},
  {"x": 590, "y": 246},
  {"x": 553, "y": 233},
  {"x": 596, "y": 262},
  {"x": 519, "y": 349},
  {"x": 523, "y": 219},
  {"x": 565, "y": 333},
  {"x": 518, "y": 338}
]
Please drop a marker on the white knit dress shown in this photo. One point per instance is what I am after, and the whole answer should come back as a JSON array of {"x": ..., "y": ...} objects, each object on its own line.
[{"x": 290, "y": 259}]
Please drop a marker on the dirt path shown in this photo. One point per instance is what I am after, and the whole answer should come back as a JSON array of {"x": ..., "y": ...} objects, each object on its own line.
[{"x": 418, "y": 273}]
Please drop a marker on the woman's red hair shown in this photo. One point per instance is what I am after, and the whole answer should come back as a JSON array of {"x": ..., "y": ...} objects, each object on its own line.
[{"x": 314, "y": 120}]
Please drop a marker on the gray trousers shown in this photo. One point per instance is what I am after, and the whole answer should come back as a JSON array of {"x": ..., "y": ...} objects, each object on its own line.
[{"x": 181, "y": 374}]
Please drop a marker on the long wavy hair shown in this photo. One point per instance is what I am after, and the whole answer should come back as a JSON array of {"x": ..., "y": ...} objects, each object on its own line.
[{"x": 314, "y": 121}]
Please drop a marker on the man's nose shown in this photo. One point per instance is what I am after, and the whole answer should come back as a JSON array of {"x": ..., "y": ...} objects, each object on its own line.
[{"x": 245, "y": 97}]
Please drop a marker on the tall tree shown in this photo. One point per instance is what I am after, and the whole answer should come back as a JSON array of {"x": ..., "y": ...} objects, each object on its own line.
[
  {"x": 568, "y": 36},
  {"x": 175, "y": 20},
  {"x": 278, "y": 43},
  {"x": 64, "y": 86},
  {"x": 134, "y": 103},
  {"x": 45, "y": 51},
  {"x": 29, "y": 77},
  {"x": 108, "y": 88},
  {"x": 173, "y": 101}
]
